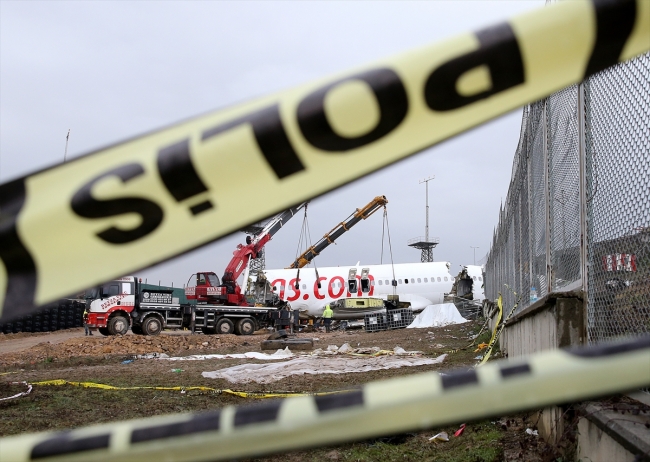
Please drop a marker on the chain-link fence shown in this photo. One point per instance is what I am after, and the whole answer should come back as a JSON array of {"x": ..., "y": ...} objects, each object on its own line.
[
  {"x": 577, "y": 213},
  {"x": 618, "y": 199}
]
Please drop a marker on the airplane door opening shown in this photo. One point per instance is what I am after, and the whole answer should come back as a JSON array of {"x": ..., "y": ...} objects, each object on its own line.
[
  {"x": 365, "y": 281},
  {"x": 352, "y": 280}
]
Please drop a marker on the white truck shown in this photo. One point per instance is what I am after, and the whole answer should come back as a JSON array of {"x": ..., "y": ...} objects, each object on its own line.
[{"x": 148, "y": 309}]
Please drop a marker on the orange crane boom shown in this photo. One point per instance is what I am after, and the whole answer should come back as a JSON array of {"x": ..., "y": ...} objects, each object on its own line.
[{"x": 358, "y": 215}]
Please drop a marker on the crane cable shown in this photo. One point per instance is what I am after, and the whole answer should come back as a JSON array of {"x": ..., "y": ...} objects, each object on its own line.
[
  {"x": 385, "y": 229},
  {"x": 305, "y": 237}
]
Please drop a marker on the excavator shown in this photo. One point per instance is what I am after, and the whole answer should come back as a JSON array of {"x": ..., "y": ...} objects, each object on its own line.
[
  {"x": 359, "y": 214},
  {"x": 208, "y": 288}
]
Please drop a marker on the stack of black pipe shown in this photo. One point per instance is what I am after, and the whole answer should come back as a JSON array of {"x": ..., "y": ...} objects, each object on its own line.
[{"x": 65, "y": 314}]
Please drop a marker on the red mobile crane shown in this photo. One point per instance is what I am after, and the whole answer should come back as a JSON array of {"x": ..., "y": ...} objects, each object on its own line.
[{"x": 208, "y": 289}]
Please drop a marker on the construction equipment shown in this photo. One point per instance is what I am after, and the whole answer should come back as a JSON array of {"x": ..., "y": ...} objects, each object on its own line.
[
  {"x": 208, "y": 289},
  {"x": 149, "y": 309},
  {"x": 360, "y": 214},
  {"x": 211, "y": 306}
]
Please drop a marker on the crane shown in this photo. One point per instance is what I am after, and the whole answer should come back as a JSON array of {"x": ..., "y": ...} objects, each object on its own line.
[
  {"x": 208, "y": 289},
  {"x": 359, "y": 214}
]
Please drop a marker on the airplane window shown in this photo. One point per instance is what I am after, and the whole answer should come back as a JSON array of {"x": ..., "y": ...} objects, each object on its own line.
[
  {"x": 474, "y": 277},
  {"x": 419, "y": 280},
  {"x": 304, "y": 286},
  {"x": 380, "y": 282},
  {"x": 412, "y": 280},
  {"x": 400, "y": 281},
  {"x": 480, "y": 278},
  {"x": 439, "y": 279},
  {"x": 426, "y": 279},
  {"x": 406, "y": 280},
  {"x": 387, "y": 283},
  {"x": 445, "y": 278}
]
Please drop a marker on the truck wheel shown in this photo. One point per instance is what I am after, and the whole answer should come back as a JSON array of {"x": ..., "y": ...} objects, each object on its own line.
[
  {"x": 118, "y": 325},
  {"x": 104, "y": 331},
  {"x": 152, "y": 326},
  {"x": 225, "y": 326},
  {"x": 245, "y": 326},
  {"x": 136, "y": 329}
]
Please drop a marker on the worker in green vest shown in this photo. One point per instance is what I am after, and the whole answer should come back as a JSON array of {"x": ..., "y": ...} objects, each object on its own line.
[{"x": 327, "y": 317}]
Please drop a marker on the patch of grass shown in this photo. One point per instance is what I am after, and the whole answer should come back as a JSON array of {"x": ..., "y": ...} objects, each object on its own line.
[
  {"x": 64, "y": 407},
  {"x": 479, "y": 443},
  {"x": 484, "y": 337}
]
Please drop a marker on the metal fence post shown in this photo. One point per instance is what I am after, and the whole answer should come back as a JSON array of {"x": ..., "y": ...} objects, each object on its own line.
[
  {"x": 547, "y": 199},
  {"x": 584, "y": 272},
  {"x": 531, "y": 229},
  {"x": 584, "y": 235}
]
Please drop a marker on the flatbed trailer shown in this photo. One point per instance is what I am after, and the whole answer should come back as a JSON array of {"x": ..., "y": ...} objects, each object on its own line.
[{"x": 211, "y": 319}]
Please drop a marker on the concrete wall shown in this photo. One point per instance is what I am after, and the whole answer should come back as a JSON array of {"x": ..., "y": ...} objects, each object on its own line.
[
  {"x": 614, "y": 433},
  {"x": 559, "y": 321},
  {"x": 594, "y": 445},
  {"x": 555, "y": 321}
]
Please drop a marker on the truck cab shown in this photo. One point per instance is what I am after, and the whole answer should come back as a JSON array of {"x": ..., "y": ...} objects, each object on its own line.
[
  {"x": 205, "y": 287},
  {"x": 110, "y": 305}
]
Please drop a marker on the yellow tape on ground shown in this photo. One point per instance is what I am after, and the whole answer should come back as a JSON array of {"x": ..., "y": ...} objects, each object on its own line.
[
  {"x": 148, "y": 199},
  {"x": 241, "y": 394},
  {"x": 378, "y": 408}
]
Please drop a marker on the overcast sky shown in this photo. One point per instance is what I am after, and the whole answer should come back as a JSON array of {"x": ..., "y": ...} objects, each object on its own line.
[{"x": 111, "y": 70}]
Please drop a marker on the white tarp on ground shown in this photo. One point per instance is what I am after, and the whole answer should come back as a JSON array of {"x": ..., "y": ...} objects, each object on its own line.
[
  {"x": 331, "y": 350},
  {"x": 272, "y": 372},
  {"x": 279, "y": 354},
  {"x": 437, "y": 316}
]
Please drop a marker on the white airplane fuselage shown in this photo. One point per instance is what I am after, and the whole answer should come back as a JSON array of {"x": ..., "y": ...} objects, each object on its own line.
[{"x": 420, "y": 284}]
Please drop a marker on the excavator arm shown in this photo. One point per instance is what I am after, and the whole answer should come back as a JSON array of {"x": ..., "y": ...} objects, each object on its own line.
[{"x": 360, "y": 214}]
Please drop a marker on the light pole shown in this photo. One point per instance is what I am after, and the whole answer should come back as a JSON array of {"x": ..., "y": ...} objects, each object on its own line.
[
  {"x": 426, "y": 227},
  {"x": 472, "y": 247},
  {"x": 65, "y": 153}
]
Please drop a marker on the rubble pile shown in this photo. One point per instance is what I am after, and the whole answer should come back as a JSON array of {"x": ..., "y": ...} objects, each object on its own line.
[{"x": 177, "y": 345}]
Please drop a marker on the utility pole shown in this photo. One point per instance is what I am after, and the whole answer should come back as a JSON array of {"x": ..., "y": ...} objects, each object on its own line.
[
  {"x": 65, "y": 153},
  {"x": 472, "y": 247}
]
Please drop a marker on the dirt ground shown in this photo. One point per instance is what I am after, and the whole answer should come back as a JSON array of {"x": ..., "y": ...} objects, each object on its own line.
[{"x": 71, "y": 356}]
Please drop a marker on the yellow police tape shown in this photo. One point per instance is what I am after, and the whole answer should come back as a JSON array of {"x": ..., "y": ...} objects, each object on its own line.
[
  {"x": 241, "y": 394},
  {"x": 140, "y": 202},
  {"x": 498, "y": 329},
  {"x": 496, "y": 322},
  {"x": 379, "y": 408}
]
